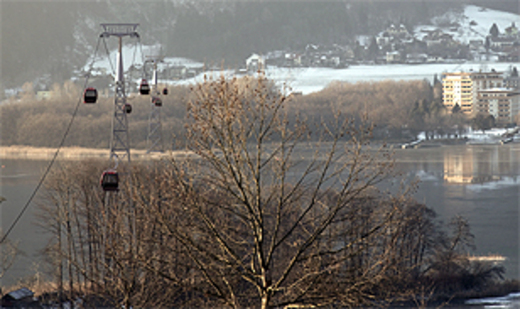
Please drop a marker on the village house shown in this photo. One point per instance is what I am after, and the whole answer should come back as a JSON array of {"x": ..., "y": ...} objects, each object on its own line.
[
  {"x": 255, "y": 63},
  {"x": 512, "y": 31},
  {"x": 500, "y": 42},
  {"x": 512, "y": 82},
  {"x": 393, "y": 57},
  {"x": 398, "y": 32},
  {"x": 437, "y": 38}
]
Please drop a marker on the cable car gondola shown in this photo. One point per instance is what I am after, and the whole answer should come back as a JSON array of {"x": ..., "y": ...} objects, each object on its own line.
[
  {"x": 156, "y": 101},
  {"x": 90, "y": 95},
  {"x": 144, "y": 88},
  {"x": 128, "y": 108},
  {"x": 110, "y": 180},
  {"x": 165, "y": 91}
]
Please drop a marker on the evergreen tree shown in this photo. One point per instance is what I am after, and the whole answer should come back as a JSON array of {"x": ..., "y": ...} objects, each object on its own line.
[
  {"x": 456, "y": 109},
  {"x": 487, "y": 45},
  {"x": 494, "y": 30},
  {"x": 373, "y": 49}
]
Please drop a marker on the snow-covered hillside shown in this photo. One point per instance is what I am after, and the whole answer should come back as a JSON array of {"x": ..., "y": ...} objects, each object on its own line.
[{"x": 473, "y": 23}]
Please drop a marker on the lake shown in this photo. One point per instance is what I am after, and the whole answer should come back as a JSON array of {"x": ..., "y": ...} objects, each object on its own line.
[{"x": 479, "y": 182}]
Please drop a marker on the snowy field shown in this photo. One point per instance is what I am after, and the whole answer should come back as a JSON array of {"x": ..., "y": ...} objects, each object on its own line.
[
  {"x": 482, "y": 20},
  {"x": 309, "y": 80}
]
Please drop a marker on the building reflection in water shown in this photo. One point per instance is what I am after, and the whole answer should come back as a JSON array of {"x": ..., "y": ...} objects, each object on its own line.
[{"x": 478, "y": 164}]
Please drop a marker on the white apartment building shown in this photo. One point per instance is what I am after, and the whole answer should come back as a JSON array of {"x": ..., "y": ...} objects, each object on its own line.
[{"x": 462, "y": 88}]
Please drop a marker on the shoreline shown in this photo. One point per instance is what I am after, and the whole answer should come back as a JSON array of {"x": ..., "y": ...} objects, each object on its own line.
[{"x": 77, "y": 153}]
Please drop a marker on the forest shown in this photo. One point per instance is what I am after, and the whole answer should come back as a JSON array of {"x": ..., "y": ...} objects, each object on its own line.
[{"x": 264, "y": 209}]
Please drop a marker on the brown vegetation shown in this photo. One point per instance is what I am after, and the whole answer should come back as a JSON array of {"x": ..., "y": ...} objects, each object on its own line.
[
  {"x": 28, "y": 121},
  {"x": 399, "y": 109}
]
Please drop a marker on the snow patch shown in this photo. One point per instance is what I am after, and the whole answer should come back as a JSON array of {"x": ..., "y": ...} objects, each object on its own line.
[
  {"x": 509, "y": 301},
  {"x": 494, "y": 185},
  {"x": 473, "y": 23},
  {"x": 425, "y": 176}
]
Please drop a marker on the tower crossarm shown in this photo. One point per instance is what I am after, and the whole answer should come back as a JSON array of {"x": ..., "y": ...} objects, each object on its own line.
[{"x": 119, "y": 30}]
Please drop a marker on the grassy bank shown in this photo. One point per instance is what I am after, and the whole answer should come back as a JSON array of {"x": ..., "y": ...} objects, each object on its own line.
[{"x": 74, "y": 153}]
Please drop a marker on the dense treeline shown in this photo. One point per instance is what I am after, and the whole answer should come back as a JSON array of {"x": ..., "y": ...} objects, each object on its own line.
[
  {"x": 260, "y": 214},
  {"x": 390, "y": 105},
  {"x": 27, "y": 121}
]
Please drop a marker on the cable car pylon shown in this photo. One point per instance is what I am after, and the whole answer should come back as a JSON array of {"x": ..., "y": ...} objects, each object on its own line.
[
  {"x": 119, "y": 140},
  {"x": 154, "y": 138}
]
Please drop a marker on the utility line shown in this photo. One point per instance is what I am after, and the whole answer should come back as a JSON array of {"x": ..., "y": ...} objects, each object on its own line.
[{"x": 4, "y": 237}]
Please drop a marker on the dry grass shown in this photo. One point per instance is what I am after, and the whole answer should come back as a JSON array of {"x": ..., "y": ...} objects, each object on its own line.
[{"x": 76, "y": 153}]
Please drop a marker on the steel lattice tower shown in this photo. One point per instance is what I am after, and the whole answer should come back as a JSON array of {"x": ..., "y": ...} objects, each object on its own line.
[
  {"x": 119, "y": 140},
  {"x": 154, "y": 139}
]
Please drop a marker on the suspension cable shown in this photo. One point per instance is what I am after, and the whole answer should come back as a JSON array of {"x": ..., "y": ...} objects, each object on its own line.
[
  {"x": 142, "y": 57},
  {"x": 42, "y": 179},
  {"x": 108, "y": 57}
]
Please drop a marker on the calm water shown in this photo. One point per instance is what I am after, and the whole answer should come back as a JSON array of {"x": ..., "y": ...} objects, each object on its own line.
[{"x": 480, "y": 183}]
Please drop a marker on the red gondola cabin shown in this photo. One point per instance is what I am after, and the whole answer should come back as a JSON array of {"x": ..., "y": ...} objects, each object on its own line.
[
  {"x": 90, "y": 95},
  {"x": 110, "y": 180},
  {"x": 144, "y": 88},
  {"x": 157, "y": 101}
]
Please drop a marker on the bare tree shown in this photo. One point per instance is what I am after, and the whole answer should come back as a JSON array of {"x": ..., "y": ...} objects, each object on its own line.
[
  {"x": 95, "y": 245},
  {"x": 264, "y": 217},
  {"x": 8, "y": 253},
  {"x": 260, "y": 210}
]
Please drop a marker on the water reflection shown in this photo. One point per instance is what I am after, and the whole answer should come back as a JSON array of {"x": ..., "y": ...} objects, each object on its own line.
[
  {"x": 479, "y": 164},
  {"x": 478, "y": 182}
]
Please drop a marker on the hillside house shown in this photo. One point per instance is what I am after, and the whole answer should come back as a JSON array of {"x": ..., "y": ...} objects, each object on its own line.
[
  {"x": 384, "y": 39},
  {"x": 476, "y": 44},
  {"x": 398, "y": 31},
  {"x": 510, "y": 54},
  {"x": 500, "y": 42},
  {"x": 416, "y": 58},
  {"x": 512, "y": 82},
  {"x": 437, "y": 38},
  {"x": 511, "y": 31},
  {"x": 255, "y": 63},
  {"x": 292, "y": 60},
  {"x": 393, "y": 57}
]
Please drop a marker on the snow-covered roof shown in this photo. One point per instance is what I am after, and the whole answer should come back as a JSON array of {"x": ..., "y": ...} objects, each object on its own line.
[{"x": 21, "y": 294}]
